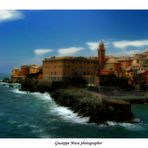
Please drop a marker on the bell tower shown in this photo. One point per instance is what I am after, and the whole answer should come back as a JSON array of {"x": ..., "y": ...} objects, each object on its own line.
[{"x": 101, "y": 54}]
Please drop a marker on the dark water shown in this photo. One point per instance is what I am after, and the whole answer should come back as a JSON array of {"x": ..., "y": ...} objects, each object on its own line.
[{"x": 34, "y": 115}]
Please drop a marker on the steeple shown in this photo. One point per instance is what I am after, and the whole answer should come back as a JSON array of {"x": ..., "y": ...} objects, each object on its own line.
[
  {"x": 101, "y": 45},
  {"x": 101, "y": 54}
]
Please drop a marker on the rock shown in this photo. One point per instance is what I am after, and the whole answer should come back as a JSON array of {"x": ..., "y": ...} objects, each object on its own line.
[{"x": 98, "y": 107}]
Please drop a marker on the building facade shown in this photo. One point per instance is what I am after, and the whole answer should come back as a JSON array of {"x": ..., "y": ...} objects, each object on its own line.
[
  {"x": 15, "y": 72},
  {"x": 62, "y": 68},
  {"x": 33, "y": 69},
  {"x": 24, "y": 70}
]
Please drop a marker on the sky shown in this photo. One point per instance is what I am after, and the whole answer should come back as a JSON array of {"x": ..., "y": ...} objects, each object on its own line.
[{"x": 29, "y": 36}]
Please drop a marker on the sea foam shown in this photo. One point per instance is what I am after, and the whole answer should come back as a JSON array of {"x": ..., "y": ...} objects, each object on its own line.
[
  {"x": 63, "y": 112},
  {"x": 127, "y": 126},
  {"x": 16, "y": 90}
]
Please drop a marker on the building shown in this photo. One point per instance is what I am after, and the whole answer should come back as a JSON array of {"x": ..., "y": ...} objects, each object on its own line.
[
  {"x": 101, "y": 55},
  {"x": 112, "y": 65},
  {"x": 24, "y": 70},
  {"x": 33, "y": 69},
  {"x": 35, "y": 73},
  {"x": 62, "y": 68},
  {"x": 145, "y": 76},
  {"x": 15, "y": 72},
  {"x": 125, "y": 62},
  {"x": 15, "y": 75}
]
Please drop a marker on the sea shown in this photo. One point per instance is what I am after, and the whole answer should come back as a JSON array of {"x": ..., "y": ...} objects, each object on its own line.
[{"x": 35, "y": 115}]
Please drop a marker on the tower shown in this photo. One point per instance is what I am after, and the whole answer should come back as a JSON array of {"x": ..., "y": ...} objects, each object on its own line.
[{"x": 101, "y": 55}]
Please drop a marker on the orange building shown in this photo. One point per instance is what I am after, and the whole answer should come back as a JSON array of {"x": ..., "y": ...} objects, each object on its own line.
[
  {"x": 15, "y": 73},
  {"x": 61, "y": 68},
  {"x": 125, "y": 62},
  {"x": 33, "y": 69},
  {"x": 24, "y": 70}
]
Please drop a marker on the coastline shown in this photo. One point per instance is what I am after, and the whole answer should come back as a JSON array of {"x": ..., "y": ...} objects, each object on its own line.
[{"x": 99, "y": 108}]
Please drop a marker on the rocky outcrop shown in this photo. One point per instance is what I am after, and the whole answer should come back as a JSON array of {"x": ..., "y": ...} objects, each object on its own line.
[{"x": 97, "y": 107}]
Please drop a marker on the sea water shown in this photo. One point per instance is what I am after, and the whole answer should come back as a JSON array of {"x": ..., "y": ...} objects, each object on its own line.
[{"x": 33, "y": 115}]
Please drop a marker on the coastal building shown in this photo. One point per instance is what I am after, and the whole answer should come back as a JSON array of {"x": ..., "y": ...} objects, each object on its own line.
[
  {"x": 62, "y": 68},
  {"x": 33, "y": 69},
  {"x": 24, "y": 70},
  {"x": 15, "y": 72},
  {"x": 35, "y": 72},
  {"x": 15, "y": 75}
]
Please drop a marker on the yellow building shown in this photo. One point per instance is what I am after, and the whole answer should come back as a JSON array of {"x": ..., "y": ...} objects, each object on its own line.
[
  {"x": 15, "y": 72},
  {"x": 33, "y": 69},
  {"x": 61, "y": 68}
]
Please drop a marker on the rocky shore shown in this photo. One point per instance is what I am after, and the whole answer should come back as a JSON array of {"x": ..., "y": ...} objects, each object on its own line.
[{"x": 99, "y": 108}]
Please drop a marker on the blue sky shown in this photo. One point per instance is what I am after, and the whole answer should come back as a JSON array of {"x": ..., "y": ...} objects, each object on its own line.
[{"x": 26, "y": 37}]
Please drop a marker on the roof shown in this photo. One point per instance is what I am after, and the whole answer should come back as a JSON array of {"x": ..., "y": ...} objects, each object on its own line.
[{"x": 70, "y": 58}]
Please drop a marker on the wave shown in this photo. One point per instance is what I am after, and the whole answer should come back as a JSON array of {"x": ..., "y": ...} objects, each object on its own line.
[
  {"x": 4, "y": 84},
  {"x": 128, "y": 126},
  {"x": 63, "y": 112},
  {"x": 41, "y": 96},
  {"x": 16, "y": 90},
  {"x": 67, "y": 115}
]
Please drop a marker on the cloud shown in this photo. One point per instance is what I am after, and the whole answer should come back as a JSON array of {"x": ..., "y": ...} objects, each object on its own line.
[
  {"x": 132, "y": 52},
  {"x": 127, "y": 52},
  {"x": 9, "y": 15},
  {"x": 92, "y": 45},
  {"x": 41, "y": 52},
  {"x": 69, "y": 51},
  {"x": 125, "y": 44}
]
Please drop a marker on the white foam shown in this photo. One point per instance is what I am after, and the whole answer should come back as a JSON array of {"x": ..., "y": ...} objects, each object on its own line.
[
  {"x": 42, "y": 96},
  {"x": 64, "y": 113},
  {"x": 128, "y": 126},
  {"x": 4, "y": 84},
  {"x": 67, "y": 115},
  {"x": 16, "y": 90}
]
